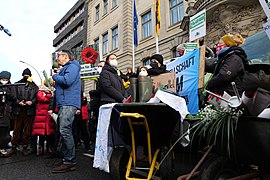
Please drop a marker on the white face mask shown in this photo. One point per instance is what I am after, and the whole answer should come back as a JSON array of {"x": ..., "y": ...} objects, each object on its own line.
[
  {"x": 99, "y": 69},
  {"x": 4, "y": 81},
  {"x": 143, "y": 73},
  {"x": 114, "y": 63}
]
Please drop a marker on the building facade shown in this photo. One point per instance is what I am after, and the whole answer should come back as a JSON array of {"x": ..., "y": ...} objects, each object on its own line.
[
  {"x": 71, "y": 30},
  {"x": 227, "y": 16},
  {"x": 110, "y": 26}
]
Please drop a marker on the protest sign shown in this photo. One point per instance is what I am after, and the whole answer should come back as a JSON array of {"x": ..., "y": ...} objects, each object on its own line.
[{"x": 186, "y": 69}]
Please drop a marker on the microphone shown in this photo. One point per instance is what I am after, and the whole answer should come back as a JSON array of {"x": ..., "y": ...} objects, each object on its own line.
[{"x": 5, "y": 30}]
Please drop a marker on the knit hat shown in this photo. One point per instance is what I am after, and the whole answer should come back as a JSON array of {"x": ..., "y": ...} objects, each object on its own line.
[
  {"x": 26, "y": 72},
  {"x": 233, "y": 40},
  {"x": 157, "y": 57},
  {"x": 181, "y": 47},
  {"x": 5, "y": 75}
]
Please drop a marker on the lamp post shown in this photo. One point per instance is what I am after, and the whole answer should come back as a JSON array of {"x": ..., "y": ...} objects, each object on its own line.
[{"x": 34, "y": 69}]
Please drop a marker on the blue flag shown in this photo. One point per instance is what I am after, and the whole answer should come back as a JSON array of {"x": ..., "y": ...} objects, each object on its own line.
[{"x": 135, "y": 24}]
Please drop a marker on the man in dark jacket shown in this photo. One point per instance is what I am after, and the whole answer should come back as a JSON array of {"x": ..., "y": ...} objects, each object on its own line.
[
  {"x": 68, "y": 101},
  {"x": 230, "y": 66},
  {"x": 24, "y": 112}
]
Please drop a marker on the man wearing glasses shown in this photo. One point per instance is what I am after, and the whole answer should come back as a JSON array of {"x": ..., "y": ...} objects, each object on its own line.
[{"x": 68, "y": 101}]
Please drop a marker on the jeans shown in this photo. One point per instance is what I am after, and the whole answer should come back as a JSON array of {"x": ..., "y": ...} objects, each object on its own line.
[{"x": 66, "y": 117}]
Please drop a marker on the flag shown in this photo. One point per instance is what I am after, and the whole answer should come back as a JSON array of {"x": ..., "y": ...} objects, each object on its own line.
[
  {"x": 157, "y": 8},
  {"x": 135, "y": 24}
]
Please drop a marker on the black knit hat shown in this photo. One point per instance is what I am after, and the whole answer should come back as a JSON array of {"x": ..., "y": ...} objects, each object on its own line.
[
  {"x": 26, "y": 72},
  {"x": 157, "y": 57},
  {"x": 5, "y": 75}
]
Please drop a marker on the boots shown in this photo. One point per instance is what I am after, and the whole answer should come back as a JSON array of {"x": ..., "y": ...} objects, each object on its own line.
[
  {"x": 26, "y": 152},
  {"x": 40, "y": 151},
  {"x": 12, "y": 151}
]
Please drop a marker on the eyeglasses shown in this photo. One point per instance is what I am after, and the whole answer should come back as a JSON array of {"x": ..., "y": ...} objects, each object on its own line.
[{"x": 60, "y": 55}]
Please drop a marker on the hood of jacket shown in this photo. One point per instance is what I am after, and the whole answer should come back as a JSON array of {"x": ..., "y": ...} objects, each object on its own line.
[{"x": 236, "y": 50}]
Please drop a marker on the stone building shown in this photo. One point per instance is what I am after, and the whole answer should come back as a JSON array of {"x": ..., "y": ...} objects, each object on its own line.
[
  {"x": 227, "y": 16},
  {"x": 110, "y": 25}
]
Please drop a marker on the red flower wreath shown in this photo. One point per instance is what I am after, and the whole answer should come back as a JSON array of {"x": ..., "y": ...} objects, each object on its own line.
[{"x": 89, "y": 55}]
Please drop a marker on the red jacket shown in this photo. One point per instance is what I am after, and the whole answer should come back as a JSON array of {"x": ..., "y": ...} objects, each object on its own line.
[
  {"x": 84, "y": 113},
  {"x": 43, "y": 124}
]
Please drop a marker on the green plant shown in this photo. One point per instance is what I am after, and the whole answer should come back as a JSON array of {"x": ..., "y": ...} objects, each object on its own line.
[{"x": 217, "y": 126}]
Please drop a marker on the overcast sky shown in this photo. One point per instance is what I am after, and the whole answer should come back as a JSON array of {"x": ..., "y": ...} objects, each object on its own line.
[{"x": 31, "y": 24}]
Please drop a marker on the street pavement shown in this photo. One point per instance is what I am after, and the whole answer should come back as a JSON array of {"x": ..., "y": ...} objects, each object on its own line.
[
  {"x": 19, "y": 167},
  {"x": 32, "y": 167}
]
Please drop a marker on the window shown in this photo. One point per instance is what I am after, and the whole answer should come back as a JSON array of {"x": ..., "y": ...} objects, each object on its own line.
[
  {"x": 175, "y": 53},
  {"x": 115, "y": 38},
  {"x": 96, "y": 42},
  {"x": 114, "y": 3},
  {"x": 146, "y": 61},
  {"x": 105, "y": 7},
  {"x": 97, "y": 12},
  {"x": 176, "y": 11},
  {"x": 146, "y": 25},
  {"x": 105, "y": 43}
]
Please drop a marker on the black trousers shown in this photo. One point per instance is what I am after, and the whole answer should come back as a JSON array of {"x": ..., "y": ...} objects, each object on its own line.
[{"x": 4, "y": 137}]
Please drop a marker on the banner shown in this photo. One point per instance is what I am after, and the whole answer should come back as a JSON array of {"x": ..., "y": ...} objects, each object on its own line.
[{"x": 187, "y": 74}]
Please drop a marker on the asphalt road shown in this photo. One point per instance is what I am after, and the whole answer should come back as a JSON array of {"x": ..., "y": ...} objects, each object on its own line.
[
  {"x": 32, "y": 167},
  {"x": 19, "y": 167}
]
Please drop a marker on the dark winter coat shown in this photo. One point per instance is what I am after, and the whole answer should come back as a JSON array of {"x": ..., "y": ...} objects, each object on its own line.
[
  {"x": 230, "y": 67},
  {"x": 26, "y": 92},
  {"x": 5, "y": 105},
  {"x": 43, "y": 123},
  {"x": 157, "y": 71},
  {"x": 112, "y": 88}
]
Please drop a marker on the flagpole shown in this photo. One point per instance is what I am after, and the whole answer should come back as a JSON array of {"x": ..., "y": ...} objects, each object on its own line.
[
  {"x": 157, "y": 10},
  {"x": 133, "y": 47},
  {"x": 157, "y": 51}
]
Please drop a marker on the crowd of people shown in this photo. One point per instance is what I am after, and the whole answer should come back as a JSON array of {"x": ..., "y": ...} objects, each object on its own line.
[{"x": 28, "y": 110}]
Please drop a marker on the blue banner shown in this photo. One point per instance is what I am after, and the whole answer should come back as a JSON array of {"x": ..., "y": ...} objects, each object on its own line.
[{"x": 186, "y": 68}]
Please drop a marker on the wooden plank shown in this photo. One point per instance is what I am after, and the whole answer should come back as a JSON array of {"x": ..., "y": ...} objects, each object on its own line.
[{"x": 201, "y": 67}]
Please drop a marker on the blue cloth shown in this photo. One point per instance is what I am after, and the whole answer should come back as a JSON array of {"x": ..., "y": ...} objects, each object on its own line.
[
  {"x": 135, "y": 24},
  {"x": 68, "y": 85},
  {"x": 66, "y": 117},
  {"x": 186, "y": 68}
]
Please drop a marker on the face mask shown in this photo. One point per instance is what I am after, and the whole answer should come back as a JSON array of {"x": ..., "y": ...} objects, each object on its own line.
[
  {"x": 99, "y": 69},
  {"x": 143, "y": 73},
  {"x": 154, "y": 64},
  {"x": 219, "y": 47},
  {"x": 4, "y": 81},
  {"x": 113, "y": 63}
]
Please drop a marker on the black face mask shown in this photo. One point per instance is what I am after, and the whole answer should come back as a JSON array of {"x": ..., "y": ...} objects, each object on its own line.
[{"x": 154, "y": 64}]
